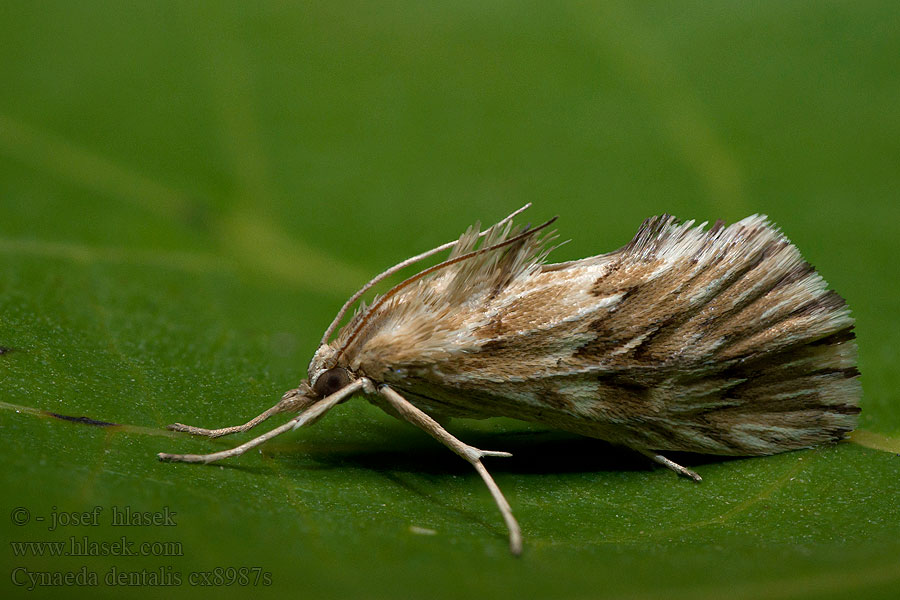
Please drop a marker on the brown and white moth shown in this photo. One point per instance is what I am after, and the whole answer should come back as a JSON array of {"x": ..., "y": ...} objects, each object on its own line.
[{"x": 720, "y": 341}]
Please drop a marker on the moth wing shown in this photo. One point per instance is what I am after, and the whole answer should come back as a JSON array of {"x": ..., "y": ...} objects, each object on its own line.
[{"x": 722, "y": 340}]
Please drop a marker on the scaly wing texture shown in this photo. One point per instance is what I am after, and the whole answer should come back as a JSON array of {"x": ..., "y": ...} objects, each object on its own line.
[
  {"x": 722, "y": 341},
  {"x": 426, "y": 322}
]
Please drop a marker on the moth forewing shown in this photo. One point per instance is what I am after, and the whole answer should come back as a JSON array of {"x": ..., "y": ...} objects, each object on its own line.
[{"x": 720, "y": 341}]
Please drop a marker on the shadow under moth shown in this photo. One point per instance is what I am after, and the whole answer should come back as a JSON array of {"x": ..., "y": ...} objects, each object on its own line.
[{"x": 719, "y": 341}]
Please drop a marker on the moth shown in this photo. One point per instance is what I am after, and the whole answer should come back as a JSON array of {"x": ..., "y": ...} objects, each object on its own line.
[{"x": 719, "y": 341}]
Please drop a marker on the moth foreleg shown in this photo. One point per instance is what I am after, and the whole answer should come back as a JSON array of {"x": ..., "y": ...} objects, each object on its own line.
[
  {"x": 473, "y": 455},
  {"x": 292, "y": 400},
  {"x": 671, "y": 464},
  {"x": 307, "y": 417},
  {"x": 236, "y": 451}
]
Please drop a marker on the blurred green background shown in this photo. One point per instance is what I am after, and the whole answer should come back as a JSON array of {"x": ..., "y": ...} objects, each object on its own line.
[{"x": 189, "y": 191}]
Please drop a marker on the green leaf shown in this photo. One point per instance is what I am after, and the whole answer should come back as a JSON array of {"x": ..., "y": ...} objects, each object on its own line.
[{"x": 189, "y": 191}]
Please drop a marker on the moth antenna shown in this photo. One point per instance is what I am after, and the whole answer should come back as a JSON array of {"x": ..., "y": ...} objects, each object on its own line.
[
  {"x": 399, "y": 266},
  {"x": 452, "y": 261},
  {"x": 411, "y": 414},
  {"x": 307, "y": 417}
]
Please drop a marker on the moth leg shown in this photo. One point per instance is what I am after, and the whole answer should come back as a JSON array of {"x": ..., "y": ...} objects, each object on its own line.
[
  {"x": 292, "y": 400},
  {"x": 307, "y": 417},
  {"x": 671, "y": 464},
  {"x": 473, "y": 455}
]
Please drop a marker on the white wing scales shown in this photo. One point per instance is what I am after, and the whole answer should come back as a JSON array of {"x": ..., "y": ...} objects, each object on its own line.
[{"x": 722, "y": 340}]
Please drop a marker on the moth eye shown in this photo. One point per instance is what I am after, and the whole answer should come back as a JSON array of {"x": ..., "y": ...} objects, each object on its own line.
[{"x": 331, "y": 381}]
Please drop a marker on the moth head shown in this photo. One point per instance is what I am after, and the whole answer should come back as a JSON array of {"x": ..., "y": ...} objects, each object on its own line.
[
  {"x": 330, "y": 381},
  {"x": 321, "y": 361},
  {"x": 325, "y": 376}
]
